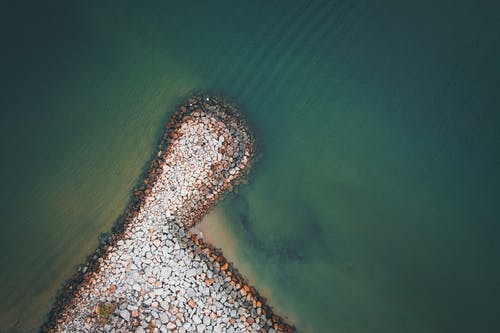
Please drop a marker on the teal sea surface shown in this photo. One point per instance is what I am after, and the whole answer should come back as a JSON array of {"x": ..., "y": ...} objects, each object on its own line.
[{"x": 374, "y": 205}]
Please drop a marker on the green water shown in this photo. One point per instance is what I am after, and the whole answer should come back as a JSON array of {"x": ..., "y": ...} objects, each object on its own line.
[{"x": 374, "y": 206}]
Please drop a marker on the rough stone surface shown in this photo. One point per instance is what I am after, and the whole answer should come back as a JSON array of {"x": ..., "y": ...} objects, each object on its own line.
[{"x": 158, "y": 277}]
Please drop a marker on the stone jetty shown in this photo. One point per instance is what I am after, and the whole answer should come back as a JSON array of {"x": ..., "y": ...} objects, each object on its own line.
[{"x": 152, "y": 274}]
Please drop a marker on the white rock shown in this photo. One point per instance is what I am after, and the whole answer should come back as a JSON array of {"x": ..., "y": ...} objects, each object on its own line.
[
  {"x": 125, "y": 315},
  {"x": 166, "y": 272},
  {"x": 164, "y": 317},
  {"x": 196, "y": 319}
]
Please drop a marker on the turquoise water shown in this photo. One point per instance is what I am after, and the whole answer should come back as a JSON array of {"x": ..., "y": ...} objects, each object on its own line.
[{"x": 374, "y": 204}]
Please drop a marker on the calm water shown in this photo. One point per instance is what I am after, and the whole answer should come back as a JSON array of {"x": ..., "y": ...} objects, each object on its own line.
[{"x": 374, "y": 207}]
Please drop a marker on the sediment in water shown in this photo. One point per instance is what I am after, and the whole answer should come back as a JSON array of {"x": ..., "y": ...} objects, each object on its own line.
[{"x": 152, "y": 274}]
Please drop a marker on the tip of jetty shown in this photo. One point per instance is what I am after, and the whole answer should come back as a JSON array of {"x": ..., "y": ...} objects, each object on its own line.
[{"x": 153, "y": 275}]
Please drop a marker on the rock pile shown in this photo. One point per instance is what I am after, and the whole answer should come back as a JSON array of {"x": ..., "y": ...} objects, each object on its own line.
[{"x": 153, "y": 275}]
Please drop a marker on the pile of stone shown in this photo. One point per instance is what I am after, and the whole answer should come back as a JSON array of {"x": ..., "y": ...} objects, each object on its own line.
[{"x": 153, "y": 275}]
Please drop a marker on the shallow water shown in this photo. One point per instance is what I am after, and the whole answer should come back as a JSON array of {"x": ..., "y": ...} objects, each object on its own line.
[{"x": 373, "y": 206}]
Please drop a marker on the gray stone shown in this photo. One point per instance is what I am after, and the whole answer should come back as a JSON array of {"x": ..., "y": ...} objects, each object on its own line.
[
  {"x": 164, "y": 318},
  {"x": 125, "y": 315},
  {"x": 196, "y": 319},
  {"x": 166, "y": 272},
  {"x": 191, "y": 272}
]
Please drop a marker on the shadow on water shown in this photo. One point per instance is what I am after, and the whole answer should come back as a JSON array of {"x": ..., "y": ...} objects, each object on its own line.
[{"x": 303, "y": 246}]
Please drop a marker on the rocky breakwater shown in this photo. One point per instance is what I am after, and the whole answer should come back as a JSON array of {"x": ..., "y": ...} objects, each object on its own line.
[{"x": 152, "y": 275}]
